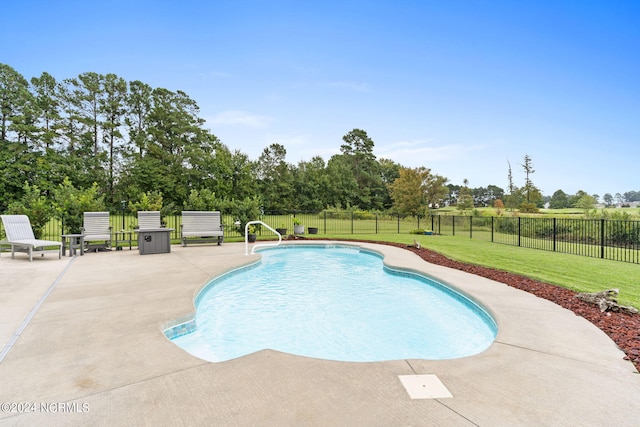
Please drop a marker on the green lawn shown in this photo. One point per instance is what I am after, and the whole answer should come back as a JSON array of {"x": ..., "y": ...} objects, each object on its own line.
[{"x": 580, "y": 273}]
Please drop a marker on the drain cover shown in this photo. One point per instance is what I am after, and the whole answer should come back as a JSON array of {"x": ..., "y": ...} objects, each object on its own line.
[{"x": 426, "y": 386}]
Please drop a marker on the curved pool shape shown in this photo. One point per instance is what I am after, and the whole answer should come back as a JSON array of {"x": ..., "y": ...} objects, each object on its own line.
[{"x": 336, "y": 303}]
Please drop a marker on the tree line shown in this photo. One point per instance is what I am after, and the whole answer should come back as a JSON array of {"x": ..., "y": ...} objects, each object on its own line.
[
  {"x": 96, "y": 141},
  {"x": 134, "y": 143}
]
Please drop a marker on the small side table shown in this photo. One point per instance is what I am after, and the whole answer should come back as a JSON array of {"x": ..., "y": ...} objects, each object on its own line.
[
  {"x": 76, "y": 241},
  {"x": 126, "y": 237}
]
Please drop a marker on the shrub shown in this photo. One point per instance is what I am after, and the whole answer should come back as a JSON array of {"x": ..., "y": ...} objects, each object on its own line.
[
  {"x": 34, "y": 205},
  {"x": 203, "y": 200},
  {"x": 71, "y": 203},
  {"x": 529, "y": 208},
  {"x": 242, "y": 211},
  {"x": 506, "y": 225}
]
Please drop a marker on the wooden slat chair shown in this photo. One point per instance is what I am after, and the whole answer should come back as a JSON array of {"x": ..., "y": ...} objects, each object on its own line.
[
  {"x": 148, "y": 220},
  {"x": 96, "y": 228},
  {"x": 21, "y": 239},
  {"x": 201, "y": 226}
]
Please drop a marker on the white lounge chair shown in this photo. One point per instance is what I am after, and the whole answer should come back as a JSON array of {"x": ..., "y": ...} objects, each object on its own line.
[
  {"x": 148, "y": 220},
  {"x": 201, "y": 226},
  {"x": 96, "y": 228},
  {"x": 21, "y": 239}
]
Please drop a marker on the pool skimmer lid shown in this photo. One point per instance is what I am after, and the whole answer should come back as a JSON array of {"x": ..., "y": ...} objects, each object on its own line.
[{"x": 426, "y": 386}]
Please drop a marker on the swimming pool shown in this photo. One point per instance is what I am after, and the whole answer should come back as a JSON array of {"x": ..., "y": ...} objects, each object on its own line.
[{"x": 333, "y": 302}]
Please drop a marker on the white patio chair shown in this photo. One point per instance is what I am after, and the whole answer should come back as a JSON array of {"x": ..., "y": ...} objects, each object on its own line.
[
  {"x": 201, "y": 226},
  {"x": 96, "y": 228},
  {"x": 148, "y": 220},
  {"x": 21, "y": 239}
]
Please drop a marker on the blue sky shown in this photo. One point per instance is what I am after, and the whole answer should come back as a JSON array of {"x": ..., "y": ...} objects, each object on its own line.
[{"x": 460, "y": 87}]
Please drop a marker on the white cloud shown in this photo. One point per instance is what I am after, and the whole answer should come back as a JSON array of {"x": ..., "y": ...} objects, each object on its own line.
[
  {"x": 420, "y": 153},
  {"x": 240, "y": 118}
]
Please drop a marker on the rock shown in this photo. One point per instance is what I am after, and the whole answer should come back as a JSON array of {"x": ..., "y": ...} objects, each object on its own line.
[{"x": 605, "y": 300}]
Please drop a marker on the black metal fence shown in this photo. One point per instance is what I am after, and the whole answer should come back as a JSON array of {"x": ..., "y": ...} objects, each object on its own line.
[{"x": 599, "y": 238}]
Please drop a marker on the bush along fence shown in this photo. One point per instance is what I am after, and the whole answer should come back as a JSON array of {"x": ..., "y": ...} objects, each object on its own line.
[{"x": 617, "y": 240}]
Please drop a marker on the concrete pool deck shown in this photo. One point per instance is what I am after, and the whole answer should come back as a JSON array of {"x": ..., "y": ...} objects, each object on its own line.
[{"x": 93, "y": 353}]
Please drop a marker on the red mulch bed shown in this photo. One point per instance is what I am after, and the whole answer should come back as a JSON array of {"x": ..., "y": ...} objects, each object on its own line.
[{"x": 622, "y": 328}]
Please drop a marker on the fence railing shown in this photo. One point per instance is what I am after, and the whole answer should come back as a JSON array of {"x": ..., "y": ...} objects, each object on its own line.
[
  {"x": 617, "y": 240},
  {"x": 599, "y": 238}
]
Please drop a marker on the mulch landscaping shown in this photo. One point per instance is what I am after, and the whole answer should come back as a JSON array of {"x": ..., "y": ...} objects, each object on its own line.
[{"x": 622, "y": 328}]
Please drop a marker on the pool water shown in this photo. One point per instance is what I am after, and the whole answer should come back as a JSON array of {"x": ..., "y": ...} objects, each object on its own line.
[{"x": 336, "y": 303}]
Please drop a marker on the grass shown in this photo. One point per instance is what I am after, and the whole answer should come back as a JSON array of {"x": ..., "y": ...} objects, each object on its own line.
[{"x": 579, "y": 273}]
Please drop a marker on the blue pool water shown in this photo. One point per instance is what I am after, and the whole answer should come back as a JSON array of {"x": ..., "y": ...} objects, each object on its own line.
[{"x": 336, "y": 303}]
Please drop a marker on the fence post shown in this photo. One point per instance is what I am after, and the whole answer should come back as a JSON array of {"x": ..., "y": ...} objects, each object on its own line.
[
  {"x": 325, "y": 222},
  {"x": 398, "y": 224},
  {"x": 555, "y": 233},
  {"x": 376, "y": 222},
  {"x": 352, "y": 219},
  {"x": 453, "y": 225},
  {"x": 602, "y": 238},
  {"x": 471, "y": 226},
  {"x": 492, "y": 227}
]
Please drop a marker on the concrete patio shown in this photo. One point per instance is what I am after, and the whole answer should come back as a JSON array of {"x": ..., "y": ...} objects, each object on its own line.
[{"x": 93, "y": 353}]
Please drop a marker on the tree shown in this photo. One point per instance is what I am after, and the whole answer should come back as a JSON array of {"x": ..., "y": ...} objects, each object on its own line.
[
  {"x": 311, "y": 182},
  {"x": 632, "y": 196},
  {"x": 86, "y": 93},
  {"x": 415, "y": 190},
  {"x": 528, "y": 188},
  {"x": 275, "y": 179},
  {"x": 465, "y": 199},
  {"x": 45, "y": 90},
  {"x": 619, "y": 198},
  {"x": 408, "y": 192},
  {"x": 586, "y": 203},
  {"x": 486, "y": 196},
  {"x": 573, "y": 200},
  {"x": 342, "y": 190},
  {"x": 14, "y": 96},
  {"x": 175, "y": 147},
  {"x": 139, "y": 103},
  {"x": 113, "y": 108},
  {"x": 559, "y": 200},
  {"x": 389, "y": 171},
  {"x": 357, "y": 153},
  {"x": 241, "y": 177},
  {"x": 514, "y": 198},
  {"x": 79, "y": 129},
  {"x": 453, "y": 193},
  {"x": 608, "y": 199}
]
